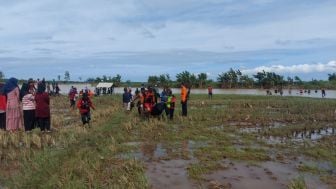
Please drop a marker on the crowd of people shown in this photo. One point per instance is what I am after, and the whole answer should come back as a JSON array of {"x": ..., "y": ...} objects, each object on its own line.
[
  {"x": 149, "y": 101},
  {"x": 26, "y": 108},
  {"x": 29, "y": 107}
]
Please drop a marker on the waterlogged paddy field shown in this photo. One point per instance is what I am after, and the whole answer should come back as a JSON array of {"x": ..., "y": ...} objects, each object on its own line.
[{"x": 232, "y": 141}]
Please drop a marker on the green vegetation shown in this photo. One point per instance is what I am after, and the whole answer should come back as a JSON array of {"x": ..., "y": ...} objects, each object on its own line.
[
  {"x": 115, "y": 151},
  {"x": 298, "y": 183}
]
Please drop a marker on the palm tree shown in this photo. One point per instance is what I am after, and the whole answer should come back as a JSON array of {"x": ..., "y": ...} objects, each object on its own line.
[
  {"x": 116, "y": 80},
  {"x": 260, "y": 76},
  {"x": 183, "y": 77},
  {"x": 332, "y": 77},
  {"x": 246, "y": 81},
  {"x": 202, "y": 77},
  {"x": 164, "y": 80},
  {"x": 153, "y": 80},
  {"x": 223, "y": 79},
  {"x": 193, "y": 81}
]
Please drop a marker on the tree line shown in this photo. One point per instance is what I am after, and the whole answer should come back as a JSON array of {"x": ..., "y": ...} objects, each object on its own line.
[{"x": 229, "y": 79}]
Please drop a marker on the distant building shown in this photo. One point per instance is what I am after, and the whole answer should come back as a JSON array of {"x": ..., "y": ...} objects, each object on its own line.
[{"x": 104, "y": 88}]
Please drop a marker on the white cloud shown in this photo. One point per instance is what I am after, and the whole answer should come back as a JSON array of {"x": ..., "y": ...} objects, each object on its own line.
[
  {"x": 161, "y": 32},
  {"x": 299, "y": 68}
]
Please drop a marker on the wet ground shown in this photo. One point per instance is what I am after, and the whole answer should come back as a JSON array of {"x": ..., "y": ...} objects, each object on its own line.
[
  {"x": 265, "y": 175},
  {"x": 167, "y": 164}
]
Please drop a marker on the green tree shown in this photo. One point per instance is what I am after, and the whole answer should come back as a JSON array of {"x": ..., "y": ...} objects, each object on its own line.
[
  {"x": 246, "y": 81},
  {"x": 290, "y": 80},
  {"x": 67, "y": 76},
  {"x": 224, "y": 79},
  {"x": 192, "y": 81},
  {"x": 128, "y": 82},
  {"x": 153, "y": 80},
  {"x": 260, "y": 76},
  {"x": 233, "y": 78},
  {"x": 202, "y": 78},
  {"x": 297, "y": 80},
  {"x": 104, "y": 78},
  {"x": 98, "y": 79},
  {"x": 238, "y": 74},
  {"x": 164, "y": 80},
  {"x": 332, "y": 77},
  {"x": 2, "y": 75},
  {"x": 116, "y": 80},
  {"x": 183, "y": 77}
]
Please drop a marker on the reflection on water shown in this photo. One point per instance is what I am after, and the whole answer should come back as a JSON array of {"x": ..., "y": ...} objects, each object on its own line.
[
  {"x": 299, "y": 136},
  {"x": 151, "y": 151}
]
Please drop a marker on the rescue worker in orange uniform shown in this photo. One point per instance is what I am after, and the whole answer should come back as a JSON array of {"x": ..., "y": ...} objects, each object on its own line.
[{"x": 184, "y": 99}]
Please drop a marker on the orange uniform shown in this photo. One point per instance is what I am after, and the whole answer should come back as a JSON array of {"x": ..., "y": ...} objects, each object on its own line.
[{"x": 184, "y": 94}]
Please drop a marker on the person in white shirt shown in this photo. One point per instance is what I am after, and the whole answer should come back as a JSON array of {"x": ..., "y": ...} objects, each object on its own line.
[{"x": 28, "y": 106}]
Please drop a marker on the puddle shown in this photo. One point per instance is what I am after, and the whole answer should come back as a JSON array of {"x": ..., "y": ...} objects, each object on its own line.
[
  {"x": 149, "y": 151},
  {"x": 169, "y": 174},
  {"x": 300, "y": 136},
  {"x": 166, "y": 164},
  {"x": 314, "y": 134},
  {"x": 258, "y": 128},
  {"x": 219, "y": 106},
  {"x": 266, "y": 175}
]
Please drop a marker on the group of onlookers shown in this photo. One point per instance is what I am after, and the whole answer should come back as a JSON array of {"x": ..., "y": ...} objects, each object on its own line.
[
  {"x": 27, "y": 107},
  {"x": 149, "y": 100}
]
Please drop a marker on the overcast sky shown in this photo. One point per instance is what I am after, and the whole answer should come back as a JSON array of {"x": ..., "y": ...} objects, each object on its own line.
[{"x": 137, "y": 38}]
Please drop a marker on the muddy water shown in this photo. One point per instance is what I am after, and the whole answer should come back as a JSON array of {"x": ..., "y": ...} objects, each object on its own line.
[
  {"x": 266, "y": 175},
  {"x": 314, "y": 134},
  {"x": 169, "y": 174},
  {"x": 300, "y": 136},
  {"x": 119, "y": 90},
  {"x": 166, "y": 164},
  {"x": 166, "y": 167}
]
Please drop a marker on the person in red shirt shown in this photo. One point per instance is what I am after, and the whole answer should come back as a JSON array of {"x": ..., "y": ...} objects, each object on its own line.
[
  {"x": 84, "y": 105},
  {"x": 210, "y": 92},
  {"x": 3, "y": 105},
  {"x": 42, "y": 111}
]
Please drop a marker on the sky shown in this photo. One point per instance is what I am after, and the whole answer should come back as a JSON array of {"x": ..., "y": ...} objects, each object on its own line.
[{"x": 138, "y": 38}]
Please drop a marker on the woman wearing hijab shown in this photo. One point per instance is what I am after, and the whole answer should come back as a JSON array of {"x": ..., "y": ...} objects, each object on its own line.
[
  {"x": 28, "y": 106},
  {"x": 3, "y": 107},
  {"x": 42, "y": 111},
  {"x": 13, "y": 110}
]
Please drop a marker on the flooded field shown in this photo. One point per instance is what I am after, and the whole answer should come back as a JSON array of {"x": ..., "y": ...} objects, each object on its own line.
[
  {"x": 228, "y": 142},
  {"x": 286, "y": 92}
]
